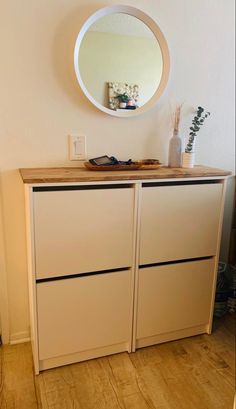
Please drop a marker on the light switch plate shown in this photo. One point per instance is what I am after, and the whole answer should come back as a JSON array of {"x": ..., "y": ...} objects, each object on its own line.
[{"x": 77, "y": 147}]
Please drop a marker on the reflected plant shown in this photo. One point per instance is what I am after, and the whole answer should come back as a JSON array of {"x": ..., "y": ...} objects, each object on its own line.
[
  {"x": 197, "y": 122},
  {"x": 123, "y": 97}
]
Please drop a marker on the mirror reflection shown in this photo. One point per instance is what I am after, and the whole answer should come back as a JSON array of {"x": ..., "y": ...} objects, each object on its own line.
[{"x": 120, "y": 62}]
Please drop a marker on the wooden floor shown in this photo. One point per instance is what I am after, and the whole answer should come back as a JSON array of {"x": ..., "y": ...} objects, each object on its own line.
[{"x": 194, "y": 373}]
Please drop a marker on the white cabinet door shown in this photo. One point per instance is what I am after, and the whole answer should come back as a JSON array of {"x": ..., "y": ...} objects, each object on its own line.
[
  {"x": 79, "y": 231},
  {"x": 179, "y": 222},
  {"x": 174, "y": 297},
  {"x": 83, "y": 313}
]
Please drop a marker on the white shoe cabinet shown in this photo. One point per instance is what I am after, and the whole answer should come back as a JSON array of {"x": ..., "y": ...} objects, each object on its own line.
[{"x": 119, "y": 265}]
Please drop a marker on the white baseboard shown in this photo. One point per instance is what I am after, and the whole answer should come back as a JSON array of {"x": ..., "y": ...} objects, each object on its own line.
[{"x": 19, "y": 338}]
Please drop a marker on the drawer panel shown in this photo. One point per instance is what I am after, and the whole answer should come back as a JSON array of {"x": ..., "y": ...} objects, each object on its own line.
[
  {"x": 174, "y": 297},
  {"x": 179, "y": 222},
  {"x": 82, "y": 231},
  {"x": 81, "y": 314}
]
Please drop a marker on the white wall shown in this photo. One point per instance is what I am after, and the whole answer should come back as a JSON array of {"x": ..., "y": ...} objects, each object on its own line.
[{"x": 41, "y": 103}]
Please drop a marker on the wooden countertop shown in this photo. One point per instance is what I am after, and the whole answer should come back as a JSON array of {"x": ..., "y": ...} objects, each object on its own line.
[{"x": 64, "y": 174}]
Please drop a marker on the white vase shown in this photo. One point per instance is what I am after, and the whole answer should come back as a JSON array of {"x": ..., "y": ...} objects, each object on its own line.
[
  {"x": 188, "y": 159},
  {"x": 175, "y": 151},
  {"x": 123, "y": 105}
]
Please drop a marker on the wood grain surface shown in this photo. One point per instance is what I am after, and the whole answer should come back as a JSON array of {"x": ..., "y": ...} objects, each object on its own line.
[
  {"x": 63, "y": 174},
  {"x": 193, "y": 373}
]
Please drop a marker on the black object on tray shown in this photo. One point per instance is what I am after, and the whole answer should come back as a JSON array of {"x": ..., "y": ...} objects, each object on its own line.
[{"x": 109, "y": 161}]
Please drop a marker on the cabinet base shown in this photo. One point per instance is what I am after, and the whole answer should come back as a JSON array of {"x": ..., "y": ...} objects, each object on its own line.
[
  {"x": 82, "y": 356},
  {"x": 172, "y": 336}
]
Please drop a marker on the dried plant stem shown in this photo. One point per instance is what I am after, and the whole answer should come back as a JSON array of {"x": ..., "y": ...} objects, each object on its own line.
[{"x": 177, "y": 117}]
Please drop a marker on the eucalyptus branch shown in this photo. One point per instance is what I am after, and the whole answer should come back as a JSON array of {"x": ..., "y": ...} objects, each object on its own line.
[{"x": 197, "y": 122}]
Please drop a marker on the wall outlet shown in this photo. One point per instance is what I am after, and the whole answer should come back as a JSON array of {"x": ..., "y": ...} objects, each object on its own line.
[{"x": 77, "y": 147}]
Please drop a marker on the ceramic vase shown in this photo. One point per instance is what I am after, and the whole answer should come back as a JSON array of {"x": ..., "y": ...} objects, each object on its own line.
[
  {"x": 188, "y": 159},
  {"x": 175, "y": 151},
  {"x": 123, "y": 105}
]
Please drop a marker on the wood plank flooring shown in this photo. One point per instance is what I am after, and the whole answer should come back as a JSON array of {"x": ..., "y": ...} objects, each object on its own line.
[{"x": 193, "y": 373}]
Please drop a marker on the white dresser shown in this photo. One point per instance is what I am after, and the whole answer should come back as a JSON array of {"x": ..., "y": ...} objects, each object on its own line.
[{"x": 120, "y": 260}]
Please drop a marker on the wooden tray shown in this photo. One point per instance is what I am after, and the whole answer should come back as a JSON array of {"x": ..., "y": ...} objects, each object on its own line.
[
  {"x": 138, "y": 165},
  {"x": 150, "y": 166},
  {"x": 147, "y": 164},
  {"x": 89, "y": 166}
]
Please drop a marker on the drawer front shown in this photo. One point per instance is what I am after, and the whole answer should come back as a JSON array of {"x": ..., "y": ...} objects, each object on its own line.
[
  {"x": 82, "y": 231},
  {"x": 84, "y": 313},
  {"x": 179, "y": 222},
  {"x": 174, "y": 297}
]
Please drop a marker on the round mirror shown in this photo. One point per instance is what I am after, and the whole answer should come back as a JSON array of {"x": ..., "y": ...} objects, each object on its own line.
[{"x": 121, "y": 61}]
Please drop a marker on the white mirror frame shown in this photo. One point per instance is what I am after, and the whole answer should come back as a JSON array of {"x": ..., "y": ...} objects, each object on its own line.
[{"x": 162, "y": 43}]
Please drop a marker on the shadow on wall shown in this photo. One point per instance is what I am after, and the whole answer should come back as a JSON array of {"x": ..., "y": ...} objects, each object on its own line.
[
  {"x": 13, "y": 211},
  {"x": 4, "y": 314}
]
